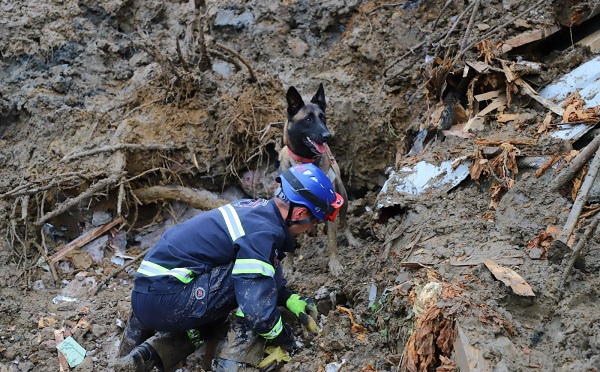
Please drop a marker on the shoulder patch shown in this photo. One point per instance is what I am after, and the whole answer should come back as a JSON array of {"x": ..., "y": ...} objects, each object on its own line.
[{"x": 251, "y": 203}]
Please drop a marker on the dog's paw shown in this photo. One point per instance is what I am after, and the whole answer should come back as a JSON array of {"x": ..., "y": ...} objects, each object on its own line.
[{"x": 335, "y": 266}]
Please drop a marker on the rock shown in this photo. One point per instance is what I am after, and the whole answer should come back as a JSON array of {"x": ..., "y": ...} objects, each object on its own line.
[
  {"x": 535, "y": 253},
  {"x": 100, "y": 218}
]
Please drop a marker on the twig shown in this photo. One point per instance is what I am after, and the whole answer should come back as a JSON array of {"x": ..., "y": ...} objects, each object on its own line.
[
  {"x": 108, "y": 278},
  {"x": 467, "y": 9},
  {"x": 18, "y": 191},
  {"x": 578, "y": 251},
  {"x": 204, "y": 62},
  {"x": 448, "y": 2},
  {"x": 225, "y": 58},
  {"x": 69, "y": 203},
  {"x": 467, "y": 34},
  {"x": 48, "y": 261},
  {"x": 121, "y": 197},
  {"x": 120, "y": 146},
  {"x": 242, "y": 59},
  {"x": 576, "y": 164},
  {"x": 581, "y": 199}
]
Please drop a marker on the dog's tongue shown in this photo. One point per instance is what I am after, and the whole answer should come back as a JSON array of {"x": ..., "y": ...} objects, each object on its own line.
[{"x": 321, "y": 148}]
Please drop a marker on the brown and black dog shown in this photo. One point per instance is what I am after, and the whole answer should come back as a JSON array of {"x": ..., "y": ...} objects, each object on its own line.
[{"x": 305, "y": 137}]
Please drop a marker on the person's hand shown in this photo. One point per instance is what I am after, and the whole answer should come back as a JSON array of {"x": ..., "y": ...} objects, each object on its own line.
[
  {"x": 285, "y": 340},
  {"x": 305, "y": 310}
]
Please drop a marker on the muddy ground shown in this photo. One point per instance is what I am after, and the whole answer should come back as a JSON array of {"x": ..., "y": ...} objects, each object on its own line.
[{"x": 100, "y": 100}]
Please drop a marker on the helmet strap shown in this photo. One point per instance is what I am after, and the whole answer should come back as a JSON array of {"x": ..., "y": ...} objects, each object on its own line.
[{"x": 288, "y": 220}]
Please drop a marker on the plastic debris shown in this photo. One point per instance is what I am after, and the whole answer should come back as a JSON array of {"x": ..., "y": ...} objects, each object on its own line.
[
  {"x": 424, "y": 176},
  {"x": 334, "y": 366},
  {"x": 60, "y": 298},
  {"x": 72, "y": 351}
]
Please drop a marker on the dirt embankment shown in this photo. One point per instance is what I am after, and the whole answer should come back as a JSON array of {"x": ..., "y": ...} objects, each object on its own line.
[{"x": 104, "y": 103}]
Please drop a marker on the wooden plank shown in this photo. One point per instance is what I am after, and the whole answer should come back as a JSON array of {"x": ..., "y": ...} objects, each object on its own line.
[
  {"x": 468, "y": 358},
  {"x": 86, "y": 238},
  {"x": 529, "y": 37},
  {"x": 527, "y": 89},
  {"x": 592, "y": 41},
  {"x": 487, "y": 96}
]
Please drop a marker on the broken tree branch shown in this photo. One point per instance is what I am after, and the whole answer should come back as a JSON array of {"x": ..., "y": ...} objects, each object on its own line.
[
  {"x": 576, "y": 164},
  {"x": 581, "y": 199},
  {"x": 120, "y": 146},
  {"x": 69, "y": 203},
  {"x": 578, "y": 251},
  {"x": 108, "y": 278}
]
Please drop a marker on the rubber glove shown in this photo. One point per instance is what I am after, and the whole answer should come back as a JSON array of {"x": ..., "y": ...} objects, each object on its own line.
[{"x": 305, "y": 310}]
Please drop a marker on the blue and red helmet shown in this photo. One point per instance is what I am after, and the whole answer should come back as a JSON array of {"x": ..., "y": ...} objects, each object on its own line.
[{"x": 307, "y": 185}]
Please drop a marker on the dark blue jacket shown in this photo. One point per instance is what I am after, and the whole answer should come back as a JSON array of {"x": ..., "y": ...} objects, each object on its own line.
[{"x": 251, "y": 234}]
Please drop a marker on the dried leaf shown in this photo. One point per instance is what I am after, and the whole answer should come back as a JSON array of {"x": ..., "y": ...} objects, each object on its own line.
[
  {"x": 510, "y": 278},
  {"x": 356, "y": 328}
]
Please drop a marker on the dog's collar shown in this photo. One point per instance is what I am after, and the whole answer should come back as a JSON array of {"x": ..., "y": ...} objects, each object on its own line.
[{"x": 299, "y": 158}]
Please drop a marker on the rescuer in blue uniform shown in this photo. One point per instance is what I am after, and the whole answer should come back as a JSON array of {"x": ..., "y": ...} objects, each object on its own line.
[{"x": 218, "y": 261}]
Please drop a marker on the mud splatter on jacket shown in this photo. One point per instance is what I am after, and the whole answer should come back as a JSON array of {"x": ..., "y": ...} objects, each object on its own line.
[{"x": 250, "y": 233}]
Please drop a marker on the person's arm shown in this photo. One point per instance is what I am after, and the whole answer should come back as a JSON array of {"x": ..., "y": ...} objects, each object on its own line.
[{"x": 255, "y": 283}]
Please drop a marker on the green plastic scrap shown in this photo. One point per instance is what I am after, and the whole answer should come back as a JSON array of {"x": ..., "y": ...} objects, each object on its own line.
[{"x": 72, "y": 351}]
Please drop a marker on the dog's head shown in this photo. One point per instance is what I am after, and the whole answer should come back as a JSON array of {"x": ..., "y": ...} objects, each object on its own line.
[{"x": 306, "y": 131}]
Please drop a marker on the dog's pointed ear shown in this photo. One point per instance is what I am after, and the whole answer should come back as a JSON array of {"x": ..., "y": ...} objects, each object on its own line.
[
  {"x": 319, "y": 98},
  {"x": 294, "y": 101}
]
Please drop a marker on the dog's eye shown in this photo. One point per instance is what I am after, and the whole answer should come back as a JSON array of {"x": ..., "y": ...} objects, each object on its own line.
[
  {"x": 322, "y": 117},
  {"x": 309, "y": 119}
]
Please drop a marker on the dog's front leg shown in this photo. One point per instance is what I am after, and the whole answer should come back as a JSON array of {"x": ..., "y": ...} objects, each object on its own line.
[{"x": 335, "y": 266}]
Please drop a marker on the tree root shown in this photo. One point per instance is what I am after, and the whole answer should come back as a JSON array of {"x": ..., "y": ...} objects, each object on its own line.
[{"x": 154, "y": 194}]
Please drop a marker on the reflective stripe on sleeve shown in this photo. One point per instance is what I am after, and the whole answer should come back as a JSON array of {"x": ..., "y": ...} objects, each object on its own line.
[
  {"x": 232, "y": 221},
  {"x": 151, "y": 269},
  {"x": 252, "y": 266},
  {"x": 275, "y": 331}
]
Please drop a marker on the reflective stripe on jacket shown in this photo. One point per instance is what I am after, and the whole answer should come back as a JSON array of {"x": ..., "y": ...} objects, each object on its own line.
[{"x": 250, "y": 233}]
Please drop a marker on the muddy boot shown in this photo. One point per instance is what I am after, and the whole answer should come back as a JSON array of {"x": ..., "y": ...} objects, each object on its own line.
[
  {"x": 241, "y": 350},
  {"x": 134, "y": 334},
  {"x": 143, "y": 358},
  {"x": 172, "y": 348}
]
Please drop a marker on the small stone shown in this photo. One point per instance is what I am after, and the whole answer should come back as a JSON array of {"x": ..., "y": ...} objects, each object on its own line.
[
  {"x": 100, "y": 218},
  {"x": 535, "y": 253}
]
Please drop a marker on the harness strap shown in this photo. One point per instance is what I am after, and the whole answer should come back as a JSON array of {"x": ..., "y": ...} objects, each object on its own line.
[{"x": 299, "y": 158}]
